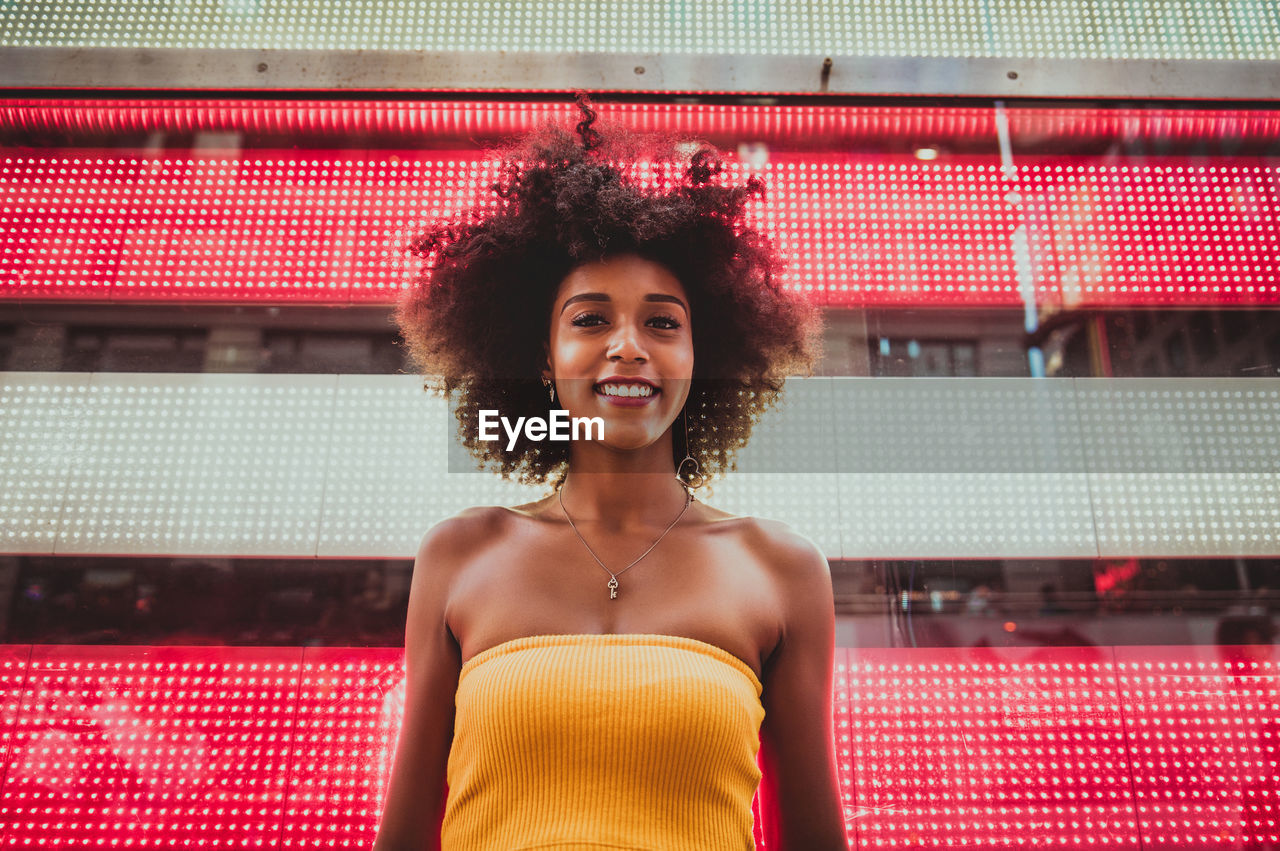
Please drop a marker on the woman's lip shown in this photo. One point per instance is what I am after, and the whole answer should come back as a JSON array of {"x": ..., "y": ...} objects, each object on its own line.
[{"x": 628, "y": 401}]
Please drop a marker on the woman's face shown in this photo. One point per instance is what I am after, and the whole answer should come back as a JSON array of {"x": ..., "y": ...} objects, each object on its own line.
[{"x": 621, "y": 348}]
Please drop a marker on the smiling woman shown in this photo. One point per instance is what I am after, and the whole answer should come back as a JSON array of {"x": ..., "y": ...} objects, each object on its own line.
[{"x": 544, "y": 710}]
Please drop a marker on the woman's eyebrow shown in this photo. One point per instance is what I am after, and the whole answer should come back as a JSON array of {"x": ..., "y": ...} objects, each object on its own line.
[
  {"x": 584, "y": 297},
  {"x": 665, "y": 297},
  {"x": 605, "y": 297}
]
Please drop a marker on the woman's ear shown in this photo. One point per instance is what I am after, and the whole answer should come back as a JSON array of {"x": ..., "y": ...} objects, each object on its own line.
[{"x": 546, "y": 360}]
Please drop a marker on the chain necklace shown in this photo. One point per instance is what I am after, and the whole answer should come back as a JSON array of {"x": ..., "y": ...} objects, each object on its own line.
[{"x": 613, "y": 577}]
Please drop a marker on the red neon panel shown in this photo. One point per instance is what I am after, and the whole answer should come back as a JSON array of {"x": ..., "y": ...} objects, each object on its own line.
[
  {"x": 809, "y": 126},
  {"x": 888, "y": 231},
  {"x": 1204, "y": 731},
  {"x": 792, "y": 127},
  {"x": 13, "y": 675},
  {"x": 1166, "y": 234},
  {"x": 162, "y": 747},
  {"x": 1173, "y": 747},
  {"x": 989, "y": 748},
  {"x": 349, "y": 711}
]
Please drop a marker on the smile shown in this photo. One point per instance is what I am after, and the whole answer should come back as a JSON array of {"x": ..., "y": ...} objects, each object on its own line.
[
  {"x": 626, "y": 393},
  {"x": 632, "y": 391}
]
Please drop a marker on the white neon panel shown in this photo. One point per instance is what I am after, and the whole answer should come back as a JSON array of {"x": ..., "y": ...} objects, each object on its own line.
[
  {"x": 1106, "y": 29},
  {"x": 388, "y": 476},
  {"x": 354, "y": 465},
  {"x": 719, "y": 26},
  {"x": 1186, "y": 514},
  {"x": 965, "y": 515},
  {"x": 1151, "y": 29},
  {"x": 200, "y": 464},
  {"x": 39, "y": 425},
  {"x": 784, "y": 472},
  {"x": 952, "y": 468},
  {"x": 1183, "y": 466}
]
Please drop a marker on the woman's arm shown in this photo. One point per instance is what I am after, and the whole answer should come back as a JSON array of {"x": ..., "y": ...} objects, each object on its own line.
[
  {"x": 416, "y": 793},
  {"x": 800, "y": 797}
]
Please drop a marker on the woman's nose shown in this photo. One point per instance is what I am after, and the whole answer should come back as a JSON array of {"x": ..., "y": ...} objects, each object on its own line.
[{"x": 625, "y": 344}]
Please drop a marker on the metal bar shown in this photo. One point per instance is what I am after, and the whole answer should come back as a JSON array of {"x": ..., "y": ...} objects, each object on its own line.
[{"x": 29, "y": 68}]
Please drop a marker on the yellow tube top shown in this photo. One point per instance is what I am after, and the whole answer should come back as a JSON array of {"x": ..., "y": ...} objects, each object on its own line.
[{"x": 603, "y": 741}]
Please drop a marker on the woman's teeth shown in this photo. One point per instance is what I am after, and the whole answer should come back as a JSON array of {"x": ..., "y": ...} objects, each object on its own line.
[{"x": 632, "y": 390}]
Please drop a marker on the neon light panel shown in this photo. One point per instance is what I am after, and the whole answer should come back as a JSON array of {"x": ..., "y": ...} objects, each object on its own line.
[
  {"x": 992, "y": 747},
  {"x": 860, "y": 232},
  {"x": 1133, "y": 30}
]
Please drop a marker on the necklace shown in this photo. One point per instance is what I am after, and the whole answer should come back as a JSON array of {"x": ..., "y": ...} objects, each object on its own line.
[{"x": 613, "y": 577}]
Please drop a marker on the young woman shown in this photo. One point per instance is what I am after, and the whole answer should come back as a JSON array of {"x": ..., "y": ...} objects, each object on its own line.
[{"x": 602, "y": 668}]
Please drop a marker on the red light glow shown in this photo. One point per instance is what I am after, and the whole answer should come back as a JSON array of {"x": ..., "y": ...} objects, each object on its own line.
[
  {"x": 793, "y": 127},
  {"x": 860, "y": 231},
  {"x": 1054, "y": 747}
]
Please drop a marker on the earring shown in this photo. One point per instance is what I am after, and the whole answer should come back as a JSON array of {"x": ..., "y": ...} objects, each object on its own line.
[
  {"x": 551, "y": 389},
  {"x": 694, "y": 471}
]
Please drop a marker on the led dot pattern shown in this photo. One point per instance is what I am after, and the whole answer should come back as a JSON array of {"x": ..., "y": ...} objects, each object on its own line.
[
  {"x": 857, "y": 231},
  {"x": 1062, "y": 747},
  {"x": 957, "y": 515},
  {"x": 199, "y": 464},
  {"x": 1108, "y": 29},
  {"x": 913, "y": 454},
  {"x": 356, "y": 466},
  {"x": 160, "y": 745},
  {"x": 14, "y": 661},
  {"x": 989, "y": 747},
  {"x": 786, "y": 466},
  {"x": 784, "y": 127},
  {"x": 387, "y": 478},
  {"x": 1204, "y": 734},
  {"x": 1188, "y": 468},
  {"x": 1193, "y": 425},
  {"x": 335, "y": 230},
  {"x": 1161, "y": 232},
  {"x": 38, "y": 433},
  {"x": 350, "y": 705}
]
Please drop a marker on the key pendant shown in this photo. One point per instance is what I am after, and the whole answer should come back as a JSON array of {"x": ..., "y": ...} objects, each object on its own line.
[{"x": 613, "y": 588}]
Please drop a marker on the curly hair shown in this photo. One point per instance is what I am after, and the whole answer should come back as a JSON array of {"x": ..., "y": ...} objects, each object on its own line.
[{"x": 477, "y": 317}]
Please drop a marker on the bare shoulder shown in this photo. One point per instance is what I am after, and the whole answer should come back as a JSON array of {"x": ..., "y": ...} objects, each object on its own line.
[
  {"x": 463, "y": 532},
  {"x": 451, "y": 544},
  {"x": 444, "y": 554},
  {"x": 796, "y": 564}
]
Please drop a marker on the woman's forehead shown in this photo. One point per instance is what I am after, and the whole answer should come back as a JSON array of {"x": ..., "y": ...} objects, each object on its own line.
[{"x": 622, "y": 277}]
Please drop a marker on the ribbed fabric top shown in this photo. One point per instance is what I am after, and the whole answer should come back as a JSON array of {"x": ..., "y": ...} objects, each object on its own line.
[{"x": 603, "y": 741}]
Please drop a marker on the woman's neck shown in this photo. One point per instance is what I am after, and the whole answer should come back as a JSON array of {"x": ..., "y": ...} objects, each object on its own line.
[{"x": 625, "y": 490}]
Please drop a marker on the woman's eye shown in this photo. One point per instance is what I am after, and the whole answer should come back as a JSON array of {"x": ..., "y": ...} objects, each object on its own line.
[
  {"x": 666, "y": 323},
  {"x": 585, "y": 320}
]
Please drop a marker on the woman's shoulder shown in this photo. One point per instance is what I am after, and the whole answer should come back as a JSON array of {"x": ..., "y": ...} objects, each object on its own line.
[
  {"x": 797, "y": 569},
  {"x": 786, "y": 552},
  {"x": 460, "y": 535}
]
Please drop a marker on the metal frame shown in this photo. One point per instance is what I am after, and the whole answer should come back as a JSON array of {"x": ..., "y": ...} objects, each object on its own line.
[{"x": 319, "y": 70}]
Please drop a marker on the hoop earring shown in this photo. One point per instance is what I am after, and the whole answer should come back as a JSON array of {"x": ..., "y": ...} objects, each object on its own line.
[
  {"x": 551, "y": 390},
  {"x": 695, "y": 473}
]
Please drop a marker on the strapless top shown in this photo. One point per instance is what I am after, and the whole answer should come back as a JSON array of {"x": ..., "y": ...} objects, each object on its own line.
[{"x": 603, "y": 741}]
